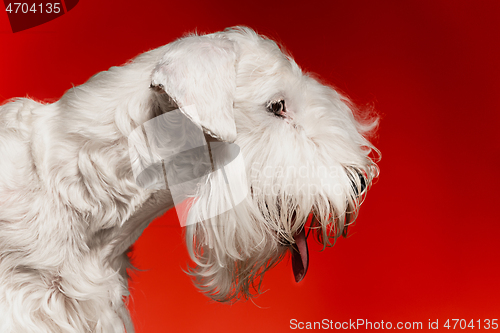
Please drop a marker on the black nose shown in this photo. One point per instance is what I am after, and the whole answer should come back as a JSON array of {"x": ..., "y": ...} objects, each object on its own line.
[{"x": 355, "y": 184}]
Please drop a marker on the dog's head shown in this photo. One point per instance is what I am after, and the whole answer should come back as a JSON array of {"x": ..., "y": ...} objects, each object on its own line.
[{"x": 305, "y": 163}]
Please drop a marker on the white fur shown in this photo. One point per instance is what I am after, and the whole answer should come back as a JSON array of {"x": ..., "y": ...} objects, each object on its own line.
[{"x": 70, "y": 206}]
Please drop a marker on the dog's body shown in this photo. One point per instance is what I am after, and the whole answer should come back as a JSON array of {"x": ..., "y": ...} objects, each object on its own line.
[{"x": 70, "y": 206}]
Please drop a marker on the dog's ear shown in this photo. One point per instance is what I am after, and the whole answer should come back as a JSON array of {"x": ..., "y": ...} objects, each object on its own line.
[{"x": 200, "y": 71}]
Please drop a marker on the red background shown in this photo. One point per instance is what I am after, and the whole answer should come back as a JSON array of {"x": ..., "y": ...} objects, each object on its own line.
[{"x": 425, "y": 245}]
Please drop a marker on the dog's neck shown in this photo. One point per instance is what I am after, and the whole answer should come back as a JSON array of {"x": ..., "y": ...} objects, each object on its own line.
[{"x": 85, "y": 163}]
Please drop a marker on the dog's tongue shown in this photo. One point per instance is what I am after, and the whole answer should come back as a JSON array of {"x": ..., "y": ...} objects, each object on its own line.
[{"x": 300, "y": 256}]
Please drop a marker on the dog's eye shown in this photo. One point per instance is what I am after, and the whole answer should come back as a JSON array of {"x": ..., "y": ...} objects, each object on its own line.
[{"x": 277, "y": 107}]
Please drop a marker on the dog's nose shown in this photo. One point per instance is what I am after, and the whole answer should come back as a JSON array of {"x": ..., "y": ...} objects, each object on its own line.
[{"x": 358, "y": 187}]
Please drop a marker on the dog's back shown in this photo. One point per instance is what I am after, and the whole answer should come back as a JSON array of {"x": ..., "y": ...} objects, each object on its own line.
[
  {"x": 52, "y": 262},
  {"x": 67, "y": 203},
  {"x": 18, "y": 179}
]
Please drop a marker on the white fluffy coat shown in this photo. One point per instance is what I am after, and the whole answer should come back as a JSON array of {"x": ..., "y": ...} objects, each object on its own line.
[{"x": 70, "y": 206}]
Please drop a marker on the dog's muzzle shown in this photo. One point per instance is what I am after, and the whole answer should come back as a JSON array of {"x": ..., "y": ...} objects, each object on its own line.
[{"x": 300, "y": 251}]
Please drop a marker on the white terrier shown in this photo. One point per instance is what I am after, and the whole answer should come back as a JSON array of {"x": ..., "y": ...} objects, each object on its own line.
[{"x": 225, "y": 127}]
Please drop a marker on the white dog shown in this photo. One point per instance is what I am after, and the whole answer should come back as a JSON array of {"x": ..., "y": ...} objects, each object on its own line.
[{"x": 225, "y": 125}]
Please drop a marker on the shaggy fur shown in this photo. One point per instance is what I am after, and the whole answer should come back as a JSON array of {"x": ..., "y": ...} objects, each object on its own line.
[{"x": 71, "y": 205}]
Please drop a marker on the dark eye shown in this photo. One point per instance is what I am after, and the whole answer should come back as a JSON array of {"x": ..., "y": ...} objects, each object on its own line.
[{"x": 277, "y": 107}]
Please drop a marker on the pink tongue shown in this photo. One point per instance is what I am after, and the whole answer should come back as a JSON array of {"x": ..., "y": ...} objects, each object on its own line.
[{"x": 300, "y": 256}]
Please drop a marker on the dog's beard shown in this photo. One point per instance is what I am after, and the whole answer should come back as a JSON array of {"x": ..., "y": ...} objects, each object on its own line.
[
  {"x": 236, "y": 273},
  {"x": 234, "y": 249}
]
